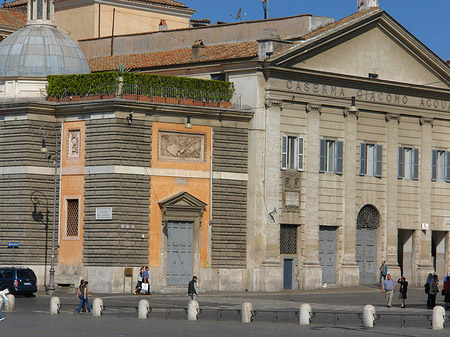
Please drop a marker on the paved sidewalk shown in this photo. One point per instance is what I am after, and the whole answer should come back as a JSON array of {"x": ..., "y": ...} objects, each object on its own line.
[{"x": 32, "y": 318}]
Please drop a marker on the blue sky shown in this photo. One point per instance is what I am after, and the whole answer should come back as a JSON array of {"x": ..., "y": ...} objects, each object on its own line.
[{"x": 427, "y": 20}]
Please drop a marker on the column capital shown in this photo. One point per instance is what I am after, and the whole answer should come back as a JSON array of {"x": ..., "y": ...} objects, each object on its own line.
[
  {"x": 424, "y": 120},
  {"x": 348, "y": 112},
  {"x": 396, "y": 117},
  {"x": 311, "y": 107}
]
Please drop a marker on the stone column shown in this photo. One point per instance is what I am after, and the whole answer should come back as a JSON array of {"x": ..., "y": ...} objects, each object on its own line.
[
  {"x": 424, "y": 265},
  {"x": 264, "y": 270},
  {"x": 348, "y": 271},
  {"x": 271, "y": 267},
  {"x": 388, "y": 232},
  {"x": 311, "y": 271}
]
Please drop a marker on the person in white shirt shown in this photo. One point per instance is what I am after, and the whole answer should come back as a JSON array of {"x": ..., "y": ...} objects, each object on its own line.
[{"x": 3, "y": 298}]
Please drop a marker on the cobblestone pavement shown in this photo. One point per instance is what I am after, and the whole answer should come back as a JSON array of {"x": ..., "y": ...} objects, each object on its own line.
[{"x": 336, "y": 313}]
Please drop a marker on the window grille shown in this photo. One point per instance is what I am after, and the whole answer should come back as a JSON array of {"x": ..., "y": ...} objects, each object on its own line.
[
  {"x": 72, "y": 217},
  {"x": 368, "y": 217},
  {"x": 288, "y": 239}
]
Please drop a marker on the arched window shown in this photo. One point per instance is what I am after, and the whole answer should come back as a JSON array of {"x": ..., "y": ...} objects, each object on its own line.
[{"x": 368, "y": 217}]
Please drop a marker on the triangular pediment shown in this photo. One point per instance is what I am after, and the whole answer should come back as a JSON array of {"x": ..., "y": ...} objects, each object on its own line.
[
  {"x": 371, "y": 44},
  {"x": 182, "y": 200}
]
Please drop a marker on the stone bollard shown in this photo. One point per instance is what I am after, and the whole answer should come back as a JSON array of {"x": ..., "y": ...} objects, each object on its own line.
[
  {"x": 368, "y": 316},
  {"x": 192, "y": 310},
  {"x": 11, "y": 304},
  {"x": 54, "y": 305},
  {"x": 143, "y": 309},
  {"x": 305, "y": 314},
  {"x": 97, "y": 307},
  {"x": 246, "y": 315},
  {"x": 438, "y": 318}
]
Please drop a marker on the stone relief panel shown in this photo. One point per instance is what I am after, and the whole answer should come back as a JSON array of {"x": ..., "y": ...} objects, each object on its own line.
[
  {"x": 74, "y": 143},
  {"x": 181, "y": 146}
]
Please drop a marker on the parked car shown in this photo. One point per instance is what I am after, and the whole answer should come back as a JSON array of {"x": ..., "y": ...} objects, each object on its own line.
[{"x": 19, "y": 280}]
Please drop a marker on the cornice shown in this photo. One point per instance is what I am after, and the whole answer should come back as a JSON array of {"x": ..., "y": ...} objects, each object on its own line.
[{"x": 358, "y": 82}]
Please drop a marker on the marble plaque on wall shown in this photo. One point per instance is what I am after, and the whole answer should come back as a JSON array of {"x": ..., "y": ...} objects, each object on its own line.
[{"x": 181, "y": 146}]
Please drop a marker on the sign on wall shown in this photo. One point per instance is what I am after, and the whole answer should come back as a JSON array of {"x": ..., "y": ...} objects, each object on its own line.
[{"x": 103, "y": 213}]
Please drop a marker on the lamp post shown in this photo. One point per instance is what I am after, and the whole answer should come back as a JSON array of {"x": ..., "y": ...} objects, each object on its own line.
[{"x": 44, "y": 133}]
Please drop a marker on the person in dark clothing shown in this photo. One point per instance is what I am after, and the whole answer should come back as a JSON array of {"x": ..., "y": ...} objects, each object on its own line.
[
  {"x": 192, "y": 288},
  {"x": 434, "y": 290},
  {"x": 427, "y": 289},
  {"x": 447, "y": 291},
  {"x": 403, "y": 290}
]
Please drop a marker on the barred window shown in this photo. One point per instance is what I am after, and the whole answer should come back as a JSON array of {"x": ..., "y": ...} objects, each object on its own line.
[
  {"x": 288, "y": 239},
  {"x": 72, "y": 218}
]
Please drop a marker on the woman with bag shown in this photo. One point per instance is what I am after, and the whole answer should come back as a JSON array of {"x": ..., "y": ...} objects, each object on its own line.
[
  {"x": 403, "y": 290},
  {"x": 83, "y": 295},
  {"x": 138, "y": 288}
]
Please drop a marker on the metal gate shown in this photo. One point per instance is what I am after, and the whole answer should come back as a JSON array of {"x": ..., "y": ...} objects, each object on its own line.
[
  {"x": 366, "y": 254},
  {"x": 366, "y": 244},
  {"x": 327, "y": 253},
  {"x": 179, "y": 252}
]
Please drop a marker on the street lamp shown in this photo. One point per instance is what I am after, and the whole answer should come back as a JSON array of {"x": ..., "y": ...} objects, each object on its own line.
[{"x": 44, "y": 133}]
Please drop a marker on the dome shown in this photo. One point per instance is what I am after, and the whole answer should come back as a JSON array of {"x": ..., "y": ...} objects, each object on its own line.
[{"x": 41, "y": 50}]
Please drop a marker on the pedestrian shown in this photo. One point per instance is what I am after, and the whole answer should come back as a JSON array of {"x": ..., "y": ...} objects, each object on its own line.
[
  {"x": 446, "y": 291},
  {"x": 434, "y": 290},
  {"x": 83, "y": 295},
  {"x": 3, "y": 299},
  {"x": 383, "y": 272},
  {"x": 427, "y": 289},
  {"x": 403, "y": 290},
  {"x": 192, "y": 288},
  {"x": 146, "y": 281},
  {"x": 388, "y": 289},
  {"x": 137, "y": 290}
]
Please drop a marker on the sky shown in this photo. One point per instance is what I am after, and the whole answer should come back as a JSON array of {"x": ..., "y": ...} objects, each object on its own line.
[{"x": 427, "y": 20}]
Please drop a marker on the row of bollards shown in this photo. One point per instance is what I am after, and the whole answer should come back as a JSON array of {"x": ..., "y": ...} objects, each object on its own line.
[{"x": 247, "y": 313}]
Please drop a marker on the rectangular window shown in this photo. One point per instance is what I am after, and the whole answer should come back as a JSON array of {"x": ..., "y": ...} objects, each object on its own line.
[
  {"x": 218, "y": 77},
  {"x": 288, "y": 239},
  {"x": 440, "y": 166},
  {"x": 331, "y": 157},
  {"x": 408, "y": 163},
  {"x": 371, "y": 160},
  {"x": 72, "y": 218},
  {"x": 292, "y": 153}
]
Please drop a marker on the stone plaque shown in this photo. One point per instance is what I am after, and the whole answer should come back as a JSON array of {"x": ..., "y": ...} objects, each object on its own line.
[
  {"x": 103, "y": 213},
  {"x": 292, "y": 199},
  {"x": 182, "y": 146},
  {"x": 74, "y": 143}
]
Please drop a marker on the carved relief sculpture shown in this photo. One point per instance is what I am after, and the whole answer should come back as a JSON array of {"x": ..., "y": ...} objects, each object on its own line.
[
  {"x": 74, "y": 142},
  {"x": 182, "y": 146}
]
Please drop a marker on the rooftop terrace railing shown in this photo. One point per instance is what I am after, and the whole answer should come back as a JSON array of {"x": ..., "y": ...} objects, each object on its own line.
[{"x": 165, "y": 95}]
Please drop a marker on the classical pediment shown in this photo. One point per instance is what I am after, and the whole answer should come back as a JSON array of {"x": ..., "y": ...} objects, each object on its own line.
[
  {"x": 371, "y": 44},
  {"x": 182, "y": 200}
]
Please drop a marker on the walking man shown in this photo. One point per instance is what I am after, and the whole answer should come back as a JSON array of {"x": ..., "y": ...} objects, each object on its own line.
[
  {"x": 192, "y": 288},
  {"x": 388, "y": 289}
]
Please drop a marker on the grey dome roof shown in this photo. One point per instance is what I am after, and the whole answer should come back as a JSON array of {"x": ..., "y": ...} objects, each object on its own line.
[{"x": 41, "y": 50}]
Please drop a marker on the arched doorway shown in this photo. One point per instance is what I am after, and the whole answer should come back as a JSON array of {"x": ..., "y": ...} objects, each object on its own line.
[{"x": 366, "y": 244}]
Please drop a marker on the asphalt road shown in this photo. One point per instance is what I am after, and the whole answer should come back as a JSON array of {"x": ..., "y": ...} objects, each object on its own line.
[{"x": 336, "y": 314}]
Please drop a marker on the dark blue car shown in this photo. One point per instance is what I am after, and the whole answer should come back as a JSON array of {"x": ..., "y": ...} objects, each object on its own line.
[{"x": 19, "y": 281}]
